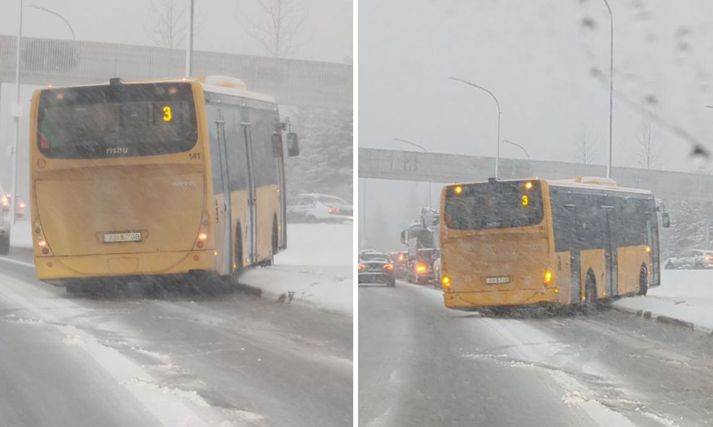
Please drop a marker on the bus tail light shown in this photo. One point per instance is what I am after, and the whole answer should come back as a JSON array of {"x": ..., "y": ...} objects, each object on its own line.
[
  {"x": 548, "y": 277},
  {"x": 41, "y": 241},
  {"x": 421, "y": 268},
  {"x": 202, "y": 237}
]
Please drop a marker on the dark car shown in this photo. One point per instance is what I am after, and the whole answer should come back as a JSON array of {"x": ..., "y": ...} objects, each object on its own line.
[{"x": 375, "y": 267}]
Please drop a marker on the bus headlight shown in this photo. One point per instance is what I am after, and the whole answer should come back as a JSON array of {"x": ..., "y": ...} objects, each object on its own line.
[{"x": 446, "y": 281}]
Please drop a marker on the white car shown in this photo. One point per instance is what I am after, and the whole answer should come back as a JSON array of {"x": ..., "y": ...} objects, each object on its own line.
[
  {"x": 692, "y": 259},
  {"x": 5, "y": 223},
  {"x": 315, "y": 207}
]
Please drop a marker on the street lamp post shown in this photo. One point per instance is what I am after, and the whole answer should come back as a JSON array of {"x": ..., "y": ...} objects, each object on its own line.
[
  {"x": 406, "y": 141},
  {"x": 497, "y": 153},
  {"x": 16, "y": 109},
  {"x": 16, "y": 112},
  {"x": 189, "y": 44},
  {"x": 611, "y": 85}
]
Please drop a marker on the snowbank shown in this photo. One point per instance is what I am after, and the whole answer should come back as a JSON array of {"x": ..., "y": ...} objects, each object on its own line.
[
  {"x": 21, "y": 235},
  {"x": 684, "y": 295},
  {"x": 316, "y": 268}
]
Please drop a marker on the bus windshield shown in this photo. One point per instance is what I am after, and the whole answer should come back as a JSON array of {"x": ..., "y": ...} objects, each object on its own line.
[
  {"x": 493, "y": 205},
  {"x": 116, "y": 121}
]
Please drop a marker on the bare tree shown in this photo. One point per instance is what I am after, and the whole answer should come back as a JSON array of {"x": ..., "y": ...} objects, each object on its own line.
[
  {"x": 585, "y": 150},
  {"x": 278, "y": 29},
  {"x": 169, "y": 22},
  {"x": 649, "y": 151}
]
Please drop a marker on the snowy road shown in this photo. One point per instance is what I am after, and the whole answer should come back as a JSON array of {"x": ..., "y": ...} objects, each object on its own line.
[
  {"x": 422, "y": 364},
  {"x": 225, "y": 358}
]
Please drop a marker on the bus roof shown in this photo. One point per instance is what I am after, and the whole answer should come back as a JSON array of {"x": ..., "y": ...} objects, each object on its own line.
[
  {"x": 231, "y": 86},
  {"x": 217, "y": 84},
  {"x": 596, "y": 184},
  {"x": 589, "y": 183}
]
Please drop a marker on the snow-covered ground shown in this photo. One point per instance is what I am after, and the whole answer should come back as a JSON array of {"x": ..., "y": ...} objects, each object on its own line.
[
  {"x": 685, "y": 295},
  {"x": 316, "y": 267}
]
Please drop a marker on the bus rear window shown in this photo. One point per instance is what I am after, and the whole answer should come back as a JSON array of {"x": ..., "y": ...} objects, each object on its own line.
[
  {"x": 493, "y": 205},
  {"x": 116, "y": 121}
]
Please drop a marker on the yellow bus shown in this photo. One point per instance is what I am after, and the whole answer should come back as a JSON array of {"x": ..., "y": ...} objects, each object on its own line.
[
  {"x": 171, "y": 178},
  {"x": 525, "y": 242}
]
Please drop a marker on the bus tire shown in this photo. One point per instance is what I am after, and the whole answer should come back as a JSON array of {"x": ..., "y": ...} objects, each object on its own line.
[
  {"x": 643, "y": 280},
  {"x": 590, "y": 288},
  {"x": 5, "y": 246}
]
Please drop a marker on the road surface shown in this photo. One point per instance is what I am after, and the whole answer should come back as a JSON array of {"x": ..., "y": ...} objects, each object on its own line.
[
  {"x": 421, "y": 364},
  {"x": 173, "y": 358}
]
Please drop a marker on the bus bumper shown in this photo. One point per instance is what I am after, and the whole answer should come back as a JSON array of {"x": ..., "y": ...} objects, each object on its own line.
[
  {"x": 57, "y": 269},
  {"x": 505, "y": 298}
]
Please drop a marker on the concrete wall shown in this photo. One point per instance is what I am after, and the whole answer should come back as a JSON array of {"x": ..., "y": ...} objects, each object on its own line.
[
  {"x": 62, "y": 62},
  {"x": 439, "y": 167}
]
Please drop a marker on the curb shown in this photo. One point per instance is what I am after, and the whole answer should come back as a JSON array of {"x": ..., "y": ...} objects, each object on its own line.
[{"x": 645, "y": 314}]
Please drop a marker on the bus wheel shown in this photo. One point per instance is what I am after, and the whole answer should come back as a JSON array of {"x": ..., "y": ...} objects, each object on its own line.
[
  {"x": 591, "y": 288},
  {"x": 643, "y": 280}
]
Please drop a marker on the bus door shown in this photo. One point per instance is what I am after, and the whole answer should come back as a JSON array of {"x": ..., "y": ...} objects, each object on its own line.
[
  {"x": 610, "y": 251},
  {"x": 227, "y": 248},
  {"x": 251, "y": 214}
]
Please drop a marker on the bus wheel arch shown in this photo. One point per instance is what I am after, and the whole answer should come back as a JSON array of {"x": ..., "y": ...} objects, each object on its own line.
[{"x": 643, "y": 280}]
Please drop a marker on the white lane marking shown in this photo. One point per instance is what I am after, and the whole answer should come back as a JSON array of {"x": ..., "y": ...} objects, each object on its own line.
[{"x": 14, "y": 261}]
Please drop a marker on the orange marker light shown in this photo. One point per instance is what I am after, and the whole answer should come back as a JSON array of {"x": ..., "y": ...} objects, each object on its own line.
[
  {"x": 528, "y": 185},
  {"x": 548, "y": 277},
  {"x": 458, "y": 189},
  {"x": 421, "y": 268}
]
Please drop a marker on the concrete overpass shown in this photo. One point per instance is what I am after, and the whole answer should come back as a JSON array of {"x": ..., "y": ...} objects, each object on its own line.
[
  {"x": 66, "y": 62},
  {"x": 446, "y": 168}
]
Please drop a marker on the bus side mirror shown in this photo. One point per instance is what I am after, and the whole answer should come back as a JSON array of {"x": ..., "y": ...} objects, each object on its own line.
[
  {"x": 665, "y": 220},
  {"x": 277, "y": 144},
  {"x": 293, "y": 147},
  {"x": 403, "y": 237}
]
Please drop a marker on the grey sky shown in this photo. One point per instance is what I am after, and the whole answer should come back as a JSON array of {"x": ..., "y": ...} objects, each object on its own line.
[
  {"x": 326, "y": 34},
  {"x": 538, "y": 58}
]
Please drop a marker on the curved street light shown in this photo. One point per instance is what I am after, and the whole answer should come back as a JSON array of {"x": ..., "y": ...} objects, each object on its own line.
[
  {"x": 17, "y": 107},
  {"x": 497, "y": 153},
  {"x": 34, "y": 6},
  {"x": 519, "y": 146},
  {"x": 406, "y": 141}
]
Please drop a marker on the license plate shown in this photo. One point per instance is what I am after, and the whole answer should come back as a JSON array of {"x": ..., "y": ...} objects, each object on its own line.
[
  {"x": 497, "y": 280},
  {"x": 130, "y": 236}
]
